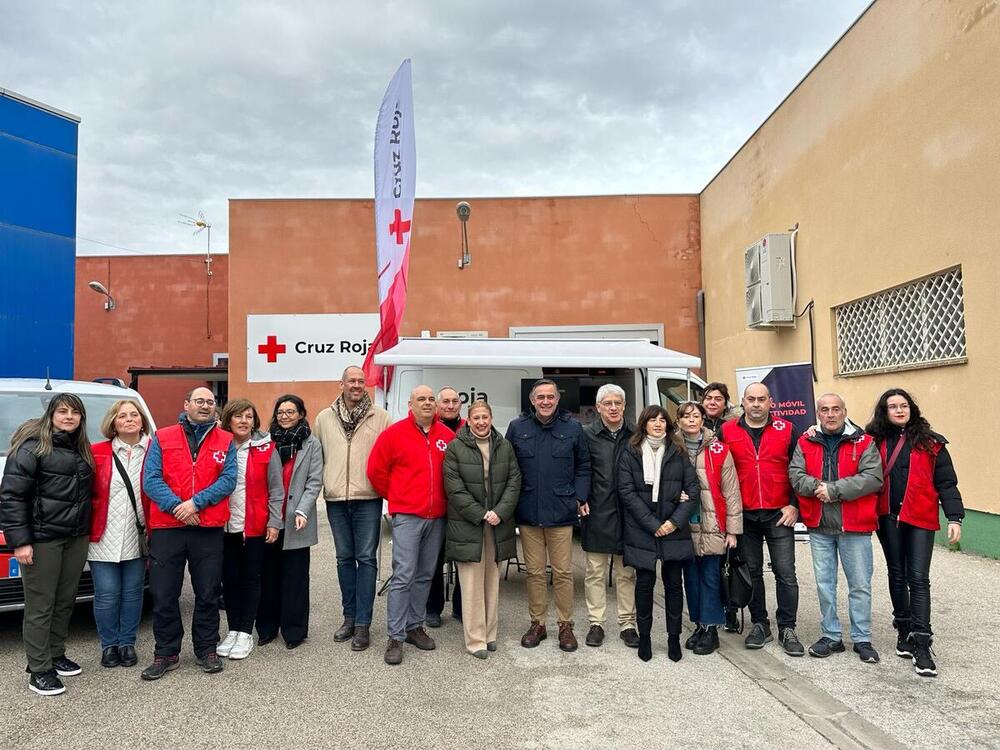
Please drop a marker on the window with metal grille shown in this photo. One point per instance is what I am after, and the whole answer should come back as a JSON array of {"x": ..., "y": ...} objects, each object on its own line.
[{"x": 920, "y": 324}]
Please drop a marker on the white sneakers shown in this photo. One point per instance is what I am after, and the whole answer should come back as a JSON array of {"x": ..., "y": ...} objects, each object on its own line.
[
  {"x": 226, "y": 647},
  {"x": 243, "y": 646}
]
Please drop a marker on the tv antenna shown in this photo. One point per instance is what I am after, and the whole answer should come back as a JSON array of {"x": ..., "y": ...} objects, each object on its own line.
[{"x": 201, "y": 224}]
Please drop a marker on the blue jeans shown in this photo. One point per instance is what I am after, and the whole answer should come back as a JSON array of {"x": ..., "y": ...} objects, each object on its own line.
[
  {"x": 118, "y": 600},
  {"x": 702, "y": 580},
  {"x": 855, "y": 552},
  {"x": 355, "y": 525}
]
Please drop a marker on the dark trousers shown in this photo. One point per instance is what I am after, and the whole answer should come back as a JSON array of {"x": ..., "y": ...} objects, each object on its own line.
[
  {"x": 284, "y": 593},
  {"x": 435, "y": 599},
  {"x": 760, "y": 527},
  {"x": 169, "y": 550},
  {"x": 645, "y": 580},
  {"x": 242, "y": 560},
  {"x": 50, "y": 586},
  {"x": 908, "y": 551},
  {"x": 703, "y": 580}
]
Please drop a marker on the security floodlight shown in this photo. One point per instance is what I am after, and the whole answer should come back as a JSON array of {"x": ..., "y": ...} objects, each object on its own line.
[
  {"x": 109, "y": 303},
  {"x": 464, "y": 210}
]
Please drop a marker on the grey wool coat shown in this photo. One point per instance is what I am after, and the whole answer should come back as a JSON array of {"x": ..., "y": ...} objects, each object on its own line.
[
  {"x": 303, "y": 489},
  {"x": 471, "y": 493}
]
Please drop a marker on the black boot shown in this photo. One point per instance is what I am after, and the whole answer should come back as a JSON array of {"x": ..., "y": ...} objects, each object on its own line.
[
  {"x": 693, "y": 639},
  {"x": 904, "y": 648},
  {"x": 923, "y": 656},
  {"x": 674, "y": 647},
  {"x": 709, "y": 641},
  {"x": 645, "y": 625}
]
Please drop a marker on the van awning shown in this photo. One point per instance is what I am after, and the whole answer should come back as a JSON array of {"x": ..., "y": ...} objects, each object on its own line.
[{"x": 590, "y": 353}]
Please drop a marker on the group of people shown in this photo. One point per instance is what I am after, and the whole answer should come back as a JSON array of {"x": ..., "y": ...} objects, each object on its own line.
[{"x": 238, "y": 507}]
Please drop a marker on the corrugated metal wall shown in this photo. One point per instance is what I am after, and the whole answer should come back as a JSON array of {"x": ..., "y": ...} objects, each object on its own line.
[{"x": 38, "y": 155}]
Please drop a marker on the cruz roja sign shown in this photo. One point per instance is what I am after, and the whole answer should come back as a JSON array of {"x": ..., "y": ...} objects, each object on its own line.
[{"x": 296, "y": 348}]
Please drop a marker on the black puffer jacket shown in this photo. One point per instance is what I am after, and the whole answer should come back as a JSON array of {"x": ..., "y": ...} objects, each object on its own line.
[
  {"x": 48, "y": 498},
  {"x": 643, "y": 517}
]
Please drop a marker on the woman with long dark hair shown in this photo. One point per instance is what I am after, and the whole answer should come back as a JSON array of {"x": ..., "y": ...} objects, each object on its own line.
[
  {"x": 291, "y": 525},
  {"x": 45, "y": 516},
  {"x": 118, "y": 529},
  {"x": 653, "y": 472},
  {"x": 919, "y": 476}
]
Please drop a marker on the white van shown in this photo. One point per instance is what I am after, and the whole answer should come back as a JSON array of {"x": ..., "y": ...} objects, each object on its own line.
[
  {"x": 502, "y": 371},
  {"x": 22, "y": 399}
]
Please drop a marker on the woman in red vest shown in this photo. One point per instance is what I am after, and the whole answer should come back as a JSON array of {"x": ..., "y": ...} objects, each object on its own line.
[
  {"x": 118, "y": 522},
  {"x": 919, "y": 476},
  {"x": 714, "y": 527},
  {"x": 243, "y": 545}
]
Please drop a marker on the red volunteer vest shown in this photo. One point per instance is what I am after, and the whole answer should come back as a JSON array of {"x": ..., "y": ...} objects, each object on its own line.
[
  {"x": 257, "y": 489},
  {"x": 856, "y": 515},
  {"x": 715, "y": 456},
  {"x": 763, "y": 474},
  {"x": 100, "y": 493},
  {"x": 920, "y": 500},
  {"x": 186, "y": 479}
]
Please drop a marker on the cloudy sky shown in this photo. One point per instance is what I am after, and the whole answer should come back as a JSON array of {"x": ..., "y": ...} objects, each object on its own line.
[{"x": 186, "y": 104}]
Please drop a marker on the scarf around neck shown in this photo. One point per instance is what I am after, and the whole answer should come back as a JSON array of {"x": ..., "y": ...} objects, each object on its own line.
[
  {"x": 652, "y": 460},
  {"x": 351, "y": 418},
  {"x": 289, "y": 442}
]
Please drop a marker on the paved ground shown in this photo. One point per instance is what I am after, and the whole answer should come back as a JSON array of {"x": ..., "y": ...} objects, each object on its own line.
[{"x": 323, "y": 695}]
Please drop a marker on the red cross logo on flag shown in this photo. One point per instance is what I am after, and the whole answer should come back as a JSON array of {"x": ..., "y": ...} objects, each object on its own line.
[{"x": 399, "y": 227}]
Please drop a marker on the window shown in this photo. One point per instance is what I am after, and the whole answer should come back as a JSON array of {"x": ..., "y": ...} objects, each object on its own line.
[
  {"x": 920, "y": 324},
  {"x": 673, "y": 392}
]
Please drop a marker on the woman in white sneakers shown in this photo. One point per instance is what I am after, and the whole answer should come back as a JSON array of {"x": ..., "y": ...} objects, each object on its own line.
[{"x": 243, "y": 543}]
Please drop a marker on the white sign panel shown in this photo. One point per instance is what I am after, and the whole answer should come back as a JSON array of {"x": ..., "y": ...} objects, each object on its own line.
[{"x": 297, "y": 348}]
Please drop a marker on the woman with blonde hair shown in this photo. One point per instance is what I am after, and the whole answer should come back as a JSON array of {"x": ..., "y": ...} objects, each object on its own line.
[
  {"x": 118, "y": 529},
  {"x": 45, "y": 516},
  {"x": 483, "y": 482}
]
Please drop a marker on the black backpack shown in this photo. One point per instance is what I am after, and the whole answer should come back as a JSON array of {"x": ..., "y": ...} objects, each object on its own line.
[{"x": 737, "y": 587}]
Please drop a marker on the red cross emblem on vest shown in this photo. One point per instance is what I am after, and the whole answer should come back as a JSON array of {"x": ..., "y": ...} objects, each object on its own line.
[
  {"x": 441, "y": 445},
  {"x": 262, "y": 448},
  {"x": 716, "y": 448},
  {"x": 778, "y": 424},
  {"x": 219, "y": 456}
]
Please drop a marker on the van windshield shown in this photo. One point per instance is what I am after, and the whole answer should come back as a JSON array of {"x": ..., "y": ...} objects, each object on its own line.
[{"x": 18, "y": 408}]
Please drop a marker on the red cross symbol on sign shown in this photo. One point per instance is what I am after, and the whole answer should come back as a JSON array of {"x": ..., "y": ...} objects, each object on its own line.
[
  {"x": 272, "y": 348},
  {"x": 399, "y": 227}
]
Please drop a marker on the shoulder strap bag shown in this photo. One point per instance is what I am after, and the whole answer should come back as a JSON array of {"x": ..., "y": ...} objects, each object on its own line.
[{"x": 140, "y": 527}]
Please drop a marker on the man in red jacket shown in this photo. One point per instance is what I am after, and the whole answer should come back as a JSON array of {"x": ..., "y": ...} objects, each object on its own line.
[
  {"x": 189, "y": 474},
  {"x": 761, "y": 447},
  {"x": 837, "y": 473},
  {"x": 405, "y": 467}
]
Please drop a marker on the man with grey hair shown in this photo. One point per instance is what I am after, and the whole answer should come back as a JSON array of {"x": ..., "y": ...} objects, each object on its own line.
[
  {"x": 347, "y": 430},
  {"x": 449, "y": 406},
  {"x": 836, "y": 471},
  {"x": 601, "y": 519}
]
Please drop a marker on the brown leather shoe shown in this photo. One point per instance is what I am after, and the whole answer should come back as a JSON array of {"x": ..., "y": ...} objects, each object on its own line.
[
  {"x": 567, "y": 641},
  {"x": 345, "y": 632},
  {"x": 394, "y": 652},
  {"x": 361, "y": 639},
  {"x": 535, "y": 635},
  {"x": 419, "y": 638},
  {"x": 595, "y": 636}
]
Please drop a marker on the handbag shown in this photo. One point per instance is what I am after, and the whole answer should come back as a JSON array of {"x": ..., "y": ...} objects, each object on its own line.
[
  {"x": 737, "y": 586},
  {"x": 140, "y": 527}
]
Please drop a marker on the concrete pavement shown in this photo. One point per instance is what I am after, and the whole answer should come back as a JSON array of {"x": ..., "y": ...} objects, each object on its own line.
[{"x": 323, "y": 695}]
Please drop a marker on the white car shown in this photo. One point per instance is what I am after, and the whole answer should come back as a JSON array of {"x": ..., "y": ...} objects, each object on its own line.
[{"x": 22, "y": 399}]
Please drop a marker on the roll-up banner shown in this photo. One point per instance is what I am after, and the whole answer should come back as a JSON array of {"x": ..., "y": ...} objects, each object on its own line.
[{"x": 791, "y": 387}]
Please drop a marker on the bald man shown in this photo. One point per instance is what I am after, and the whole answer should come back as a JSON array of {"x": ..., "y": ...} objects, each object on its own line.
[
  {"x": 347, "y": 430},
  {"x": 761, "y": 447},
  {"x": 406, "y": 468}
]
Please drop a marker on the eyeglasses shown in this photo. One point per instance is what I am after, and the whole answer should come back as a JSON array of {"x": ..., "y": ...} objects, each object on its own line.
[
  {"x": 613, "y": 404},
  {"x": 286, "y": 412},
  {"x": 203, "y": 401}
]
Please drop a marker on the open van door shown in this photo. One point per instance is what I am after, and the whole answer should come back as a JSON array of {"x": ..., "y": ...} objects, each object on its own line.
[{"x": 670, "y": 388}]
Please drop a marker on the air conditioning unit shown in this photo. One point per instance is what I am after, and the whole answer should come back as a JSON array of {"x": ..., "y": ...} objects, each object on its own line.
[{"x": 767, "y": 266}]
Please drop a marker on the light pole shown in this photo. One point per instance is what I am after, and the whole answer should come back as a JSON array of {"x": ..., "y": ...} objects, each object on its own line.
[{"x": 109, "y": 303}]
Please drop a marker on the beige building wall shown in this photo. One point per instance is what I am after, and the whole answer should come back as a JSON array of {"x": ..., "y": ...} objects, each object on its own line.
[{"x": 888, "y": 157}]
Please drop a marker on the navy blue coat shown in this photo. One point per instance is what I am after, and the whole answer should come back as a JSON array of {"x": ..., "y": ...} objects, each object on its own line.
[
  {"x": 555, "y": 469},
  {"x": 643, "y": 517}
]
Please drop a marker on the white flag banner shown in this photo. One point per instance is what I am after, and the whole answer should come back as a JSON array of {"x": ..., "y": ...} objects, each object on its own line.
[{"x": 395, "y": 184}]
